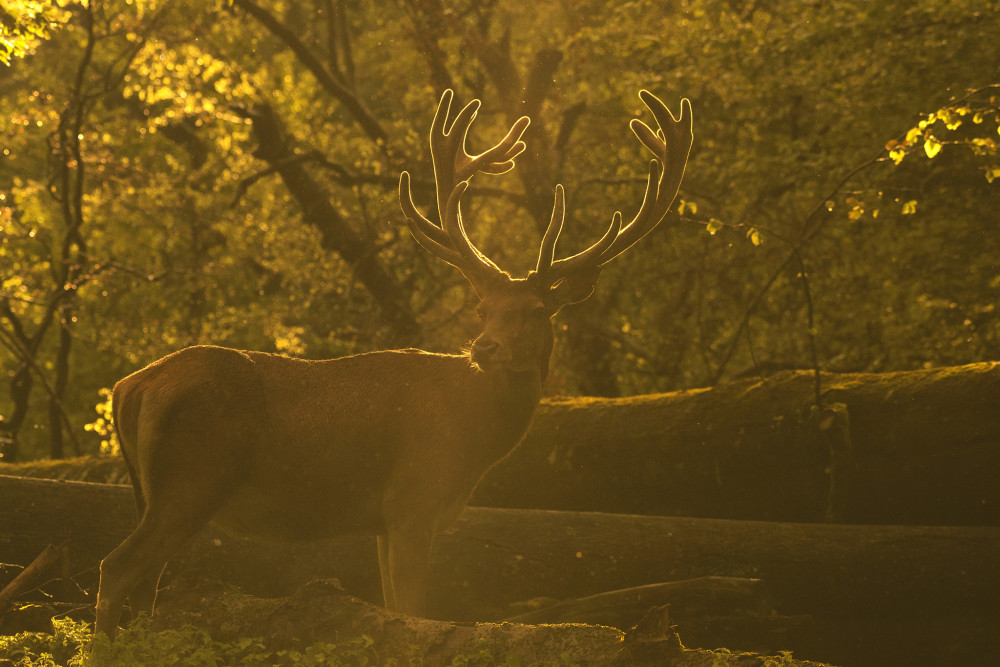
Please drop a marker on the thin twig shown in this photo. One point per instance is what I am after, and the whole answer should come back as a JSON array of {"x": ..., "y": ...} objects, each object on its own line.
[
  {"x": 811, "y": 332},
  {"x": 809, "y": 231}
]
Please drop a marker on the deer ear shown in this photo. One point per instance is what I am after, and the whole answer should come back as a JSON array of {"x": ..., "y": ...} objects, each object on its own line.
[{"x": 576, "y": 287}]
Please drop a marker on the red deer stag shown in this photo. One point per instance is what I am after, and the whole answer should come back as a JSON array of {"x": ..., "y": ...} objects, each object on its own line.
[{"x": 388, "y": 443}]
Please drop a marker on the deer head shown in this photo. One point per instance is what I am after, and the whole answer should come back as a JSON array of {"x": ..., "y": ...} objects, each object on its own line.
[{"x": 517, "y": 334}]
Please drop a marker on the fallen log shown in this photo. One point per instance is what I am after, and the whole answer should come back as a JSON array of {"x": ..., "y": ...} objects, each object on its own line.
[
  {"x": 898, "y": 593},
  {"x": 322, "y": 611},
  {"x": 918, "y": 447}
]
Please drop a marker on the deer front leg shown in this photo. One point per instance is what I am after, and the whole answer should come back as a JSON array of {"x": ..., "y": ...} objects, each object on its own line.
[
  {"x": 404, "y": 559},
  {"x": 383, "y": 568}
]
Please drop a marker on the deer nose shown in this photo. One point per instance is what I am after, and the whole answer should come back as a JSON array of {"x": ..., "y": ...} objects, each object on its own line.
[{"x": 484, "y": 350}]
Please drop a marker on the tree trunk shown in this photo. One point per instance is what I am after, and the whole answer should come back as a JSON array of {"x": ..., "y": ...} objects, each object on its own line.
[
  {"x": 336, "y": 233},
  {"x": 10, "y": 427},
  {"x": 61, "y": 380},
  {"x": 917, "y": 447},
  {"x": 877, "y": 594}
]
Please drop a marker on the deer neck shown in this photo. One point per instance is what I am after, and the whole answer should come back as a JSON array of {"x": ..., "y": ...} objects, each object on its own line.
[
  {"x": 517, "y": 393},
  {"x": 511, "y": 399},
  {"x": 516, "y": 386}
]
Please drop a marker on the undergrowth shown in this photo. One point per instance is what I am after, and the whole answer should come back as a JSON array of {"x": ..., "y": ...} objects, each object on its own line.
[{"x": 70, "y": 645}]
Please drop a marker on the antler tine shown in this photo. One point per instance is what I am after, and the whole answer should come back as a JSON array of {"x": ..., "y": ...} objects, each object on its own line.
[
  {"x": 429, "y": 236},
  {"x": 547, "y": 264},
  {"x": 671, "y": 145},
  {"x": 547, "y": 251},
  {"x": 666, "y": 171},
  {"x": 477, "y": 267},
  {"x": 453, "y": 168}
]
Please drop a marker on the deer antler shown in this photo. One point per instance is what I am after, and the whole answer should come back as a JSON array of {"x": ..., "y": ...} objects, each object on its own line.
[
  {"x": 453, "y": 169},
  {"x": 670, "y": 144}
]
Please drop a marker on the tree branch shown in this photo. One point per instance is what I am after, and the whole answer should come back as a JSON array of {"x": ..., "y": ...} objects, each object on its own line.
[
  {"x": 366, "y": 120},
  {"x": 424, "y": 16},
  {"x": 335, "y": 232}
]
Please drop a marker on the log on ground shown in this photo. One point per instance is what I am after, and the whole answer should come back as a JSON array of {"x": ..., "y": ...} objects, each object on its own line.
[{"x": 917, "y": 447}]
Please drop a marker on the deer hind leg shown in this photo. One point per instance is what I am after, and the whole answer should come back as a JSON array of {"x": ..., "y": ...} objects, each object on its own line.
[
  {"x": 136, "y": 562},
  {"x": 143, "y": 596},
  {"x": 176, "y": 509}
]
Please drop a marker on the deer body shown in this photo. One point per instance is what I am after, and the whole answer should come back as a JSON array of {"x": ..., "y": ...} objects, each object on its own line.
[
  {"x": 316, "y": 452},
  {"x": 390, "y": 443}
]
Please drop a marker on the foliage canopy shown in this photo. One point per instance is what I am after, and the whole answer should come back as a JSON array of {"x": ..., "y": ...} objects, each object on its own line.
[{"x": 175, "y": 172}]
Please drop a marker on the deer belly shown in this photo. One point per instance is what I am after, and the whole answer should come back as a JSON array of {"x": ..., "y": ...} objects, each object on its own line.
[{"x": 305, "y": 511}]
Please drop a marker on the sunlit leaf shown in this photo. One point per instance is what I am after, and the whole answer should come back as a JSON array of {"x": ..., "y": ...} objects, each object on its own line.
[
  {"x": 687, "y": 207},
  {"x": 932, "y": 147}
]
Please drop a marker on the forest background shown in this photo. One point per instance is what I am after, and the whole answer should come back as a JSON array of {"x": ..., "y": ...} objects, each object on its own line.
[{"x": 175, "y": 172}]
